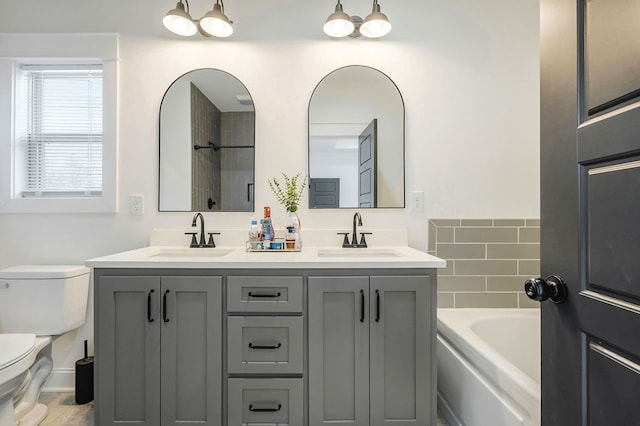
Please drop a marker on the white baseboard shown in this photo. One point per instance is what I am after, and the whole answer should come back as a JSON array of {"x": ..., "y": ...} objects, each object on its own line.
[{"x": 61, "y": 380}]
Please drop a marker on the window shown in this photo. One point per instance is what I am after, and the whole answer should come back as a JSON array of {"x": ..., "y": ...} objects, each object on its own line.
[
  {"x": 62, "y": 133},
  {"x": 58, "y": 123}
]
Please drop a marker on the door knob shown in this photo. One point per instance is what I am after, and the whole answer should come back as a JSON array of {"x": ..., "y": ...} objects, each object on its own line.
[{"x": 553, "y": 288}]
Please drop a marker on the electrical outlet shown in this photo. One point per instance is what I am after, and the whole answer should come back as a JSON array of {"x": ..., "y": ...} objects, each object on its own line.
[
  {"x": 136, "y": 204},
  {"x": 417, "y": 201}
]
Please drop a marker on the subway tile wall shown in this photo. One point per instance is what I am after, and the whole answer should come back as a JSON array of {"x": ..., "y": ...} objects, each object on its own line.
[
  {"x": 488, "y": 261},
  {"x": 205, "y": 163}
]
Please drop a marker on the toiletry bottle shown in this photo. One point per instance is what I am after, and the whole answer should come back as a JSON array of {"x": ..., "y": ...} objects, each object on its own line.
[
  {"x": 267, "y": 228},
  {"x": 254, "y": 234}
]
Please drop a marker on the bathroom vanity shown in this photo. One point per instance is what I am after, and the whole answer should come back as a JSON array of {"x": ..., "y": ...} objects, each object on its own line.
[{"x": 222, "y": 336}]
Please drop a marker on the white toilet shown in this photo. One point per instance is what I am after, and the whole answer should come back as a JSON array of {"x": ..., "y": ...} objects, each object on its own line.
[{"x": 37, "y": 304}]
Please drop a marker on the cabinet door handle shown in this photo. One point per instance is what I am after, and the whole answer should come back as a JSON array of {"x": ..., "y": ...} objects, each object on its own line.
[
  {"x": 265, "y": 295},
  {"x": 165, "y": 317},
  {"x": 361, "y": 305},
  {"x": 252, "y": 346},
  {"x": 149, "y": 318},
  {"x": 377, "y": 305},
  {"x": 264, "y": 410}
]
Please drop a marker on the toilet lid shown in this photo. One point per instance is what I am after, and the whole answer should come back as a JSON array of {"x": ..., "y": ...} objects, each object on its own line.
[{"x": 14, "y": 347}]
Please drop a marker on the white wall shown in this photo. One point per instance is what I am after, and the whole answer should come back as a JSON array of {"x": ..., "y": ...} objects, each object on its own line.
[
  {"x": 175, "y": 128},
  {"x": 468, "y": 72}
]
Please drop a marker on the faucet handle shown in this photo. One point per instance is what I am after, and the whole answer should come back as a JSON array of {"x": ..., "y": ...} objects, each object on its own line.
[
  {"x": 211, "y": 242},
  {"x": 194, "y": 240},
  {"x": 345, "y": 242},
  {"x": 363, "y": 242}
]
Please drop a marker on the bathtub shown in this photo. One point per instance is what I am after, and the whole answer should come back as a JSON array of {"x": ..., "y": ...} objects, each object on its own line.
[{"x": 489, "y": 366}]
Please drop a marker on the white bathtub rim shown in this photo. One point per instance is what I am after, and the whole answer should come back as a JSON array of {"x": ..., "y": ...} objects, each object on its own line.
[
  {"x": 503, "y": 374},
  {"x": 524, "y": 411}
]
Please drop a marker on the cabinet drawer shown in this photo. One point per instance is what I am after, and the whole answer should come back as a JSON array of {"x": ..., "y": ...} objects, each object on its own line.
[
  {"x": 264, "y": 345},
  {"x": 264, "y": 294},
  {"x": 265, "y": 401}
]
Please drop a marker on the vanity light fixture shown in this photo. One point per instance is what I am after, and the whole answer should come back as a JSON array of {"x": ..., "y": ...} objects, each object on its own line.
[
  {"x": 214, "y": 23},
  {"x": 339, "y": 24}
]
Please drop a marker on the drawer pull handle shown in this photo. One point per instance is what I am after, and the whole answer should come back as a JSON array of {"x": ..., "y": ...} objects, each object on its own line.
[
  {"x": 264, "y": 410},
  {"x": 265, "y": 295},
  {"x": 252, "y": 346}
]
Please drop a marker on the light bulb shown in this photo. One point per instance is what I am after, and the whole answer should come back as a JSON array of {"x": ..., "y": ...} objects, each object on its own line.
[
  {"x": 338, "y": 23},
  {"x": 178, "y": 21}
]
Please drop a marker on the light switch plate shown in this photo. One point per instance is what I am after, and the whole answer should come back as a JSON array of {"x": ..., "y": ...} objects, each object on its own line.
[
  {"x": 136, "y": 204},
  {"x": 416, "y": 202}
]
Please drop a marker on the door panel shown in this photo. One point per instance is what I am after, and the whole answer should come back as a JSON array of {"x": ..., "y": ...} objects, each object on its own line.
[
  {"x": 613, "y": 209},
  {"x": 324, "y": 193},
  {"x": 399, "y": 350},
  {"x": 610, "y": 375},
  {"x": 338, "y": 351},
  {"x": 612, "y": 51},
  {"x": 191, "y": 351},
  {"x": 128, "y": 351},
  {"x": 588, "y": 234},
  {"x": 368, "y": 168}
]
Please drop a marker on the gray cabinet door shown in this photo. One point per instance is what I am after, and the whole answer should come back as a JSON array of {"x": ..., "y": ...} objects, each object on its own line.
[
  {"x": 127, "y": 351},
  {"x": 402, "y": 377},
  {"x": 191, "y": 324},
  {"x": 338, "y": 351}
]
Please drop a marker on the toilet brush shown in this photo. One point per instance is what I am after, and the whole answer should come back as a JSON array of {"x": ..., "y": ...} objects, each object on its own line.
[{"x": 84, "y": 378}]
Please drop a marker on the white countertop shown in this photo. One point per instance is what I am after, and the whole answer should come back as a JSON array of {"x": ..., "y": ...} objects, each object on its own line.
[{"x": 238, "y": 258}]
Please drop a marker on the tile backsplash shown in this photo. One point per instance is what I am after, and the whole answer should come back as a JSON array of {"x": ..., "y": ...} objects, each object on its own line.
[{"x": 488, "y": 261}]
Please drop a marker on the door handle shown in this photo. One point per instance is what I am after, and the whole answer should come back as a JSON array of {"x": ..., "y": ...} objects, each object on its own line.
[
  {"x": 553, "y": 288},
  {"x": 361, "y": 305},
  {"x": 149, "y": 318},
  {"x": 377, "y": 305},
  {"x": 165, "y": 316}
]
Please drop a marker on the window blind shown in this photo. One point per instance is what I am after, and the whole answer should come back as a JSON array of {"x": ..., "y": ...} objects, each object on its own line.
[{"x": 63, "y": 131}]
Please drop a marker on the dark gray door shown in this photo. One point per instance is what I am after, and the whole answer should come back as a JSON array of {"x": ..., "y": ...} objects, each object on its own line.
[
  {"x": 324, "y": 193},
  {"x": 590, "y": 210},
  {"x": 368, "y": 165}
]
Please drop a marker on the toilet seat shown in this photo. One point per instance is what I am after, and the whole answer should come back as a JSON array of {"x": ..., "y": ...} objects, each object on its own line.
[{"x": 15, "y": 347}]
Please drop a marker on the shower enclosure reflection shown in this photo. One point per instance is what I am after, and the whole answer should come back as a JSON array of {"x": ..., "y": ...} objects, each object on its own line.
[{"x": 207, "y": 140}]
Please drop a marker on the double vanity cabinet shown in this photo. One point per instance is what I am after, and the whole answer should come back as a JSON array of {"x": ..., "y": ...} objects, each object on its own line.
[{"x": 265, "y": 339}]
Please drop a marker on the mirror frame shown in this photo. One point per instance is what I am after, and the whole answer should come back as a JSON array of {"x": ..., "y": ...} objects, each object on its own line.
[
  {"x": 404, "y": 147},
  {"x": 160, "y": 141}
]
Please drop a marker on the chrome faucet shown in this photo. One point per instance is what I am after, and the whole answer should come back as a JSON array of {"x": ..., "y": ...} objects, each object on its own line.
[
  {"x": 194, "y": 239},
  {"x": 357, "y": 221}
]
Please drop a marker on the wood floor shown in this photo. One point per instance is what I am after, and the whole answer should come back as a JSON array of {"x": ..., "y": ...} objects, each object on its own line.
[{"x": 63, "y": 411}]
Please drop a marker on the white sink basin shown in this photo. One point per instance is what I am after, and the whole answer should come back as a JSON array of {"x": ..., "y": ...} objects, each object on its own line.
[
  {"x": 191, "y": 252},
  {"x": 351, "y": 253}
]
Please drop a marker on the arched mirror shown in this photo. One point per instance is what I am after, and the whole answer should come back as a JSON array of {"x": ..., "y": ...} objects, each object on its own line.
[
  {"x": 207, "y": 141},
  {"x": 356, "y": 141}
]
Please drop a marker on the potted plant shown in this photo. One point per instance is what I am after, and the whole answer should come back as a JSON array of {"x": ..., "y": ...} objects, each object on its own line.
[{"x": 288, "y": 193}]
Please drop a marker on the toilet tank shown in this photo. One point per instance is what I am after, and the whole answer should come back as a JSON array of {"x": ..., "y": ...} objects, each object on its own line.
[{"x": 43, "y": 299}]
